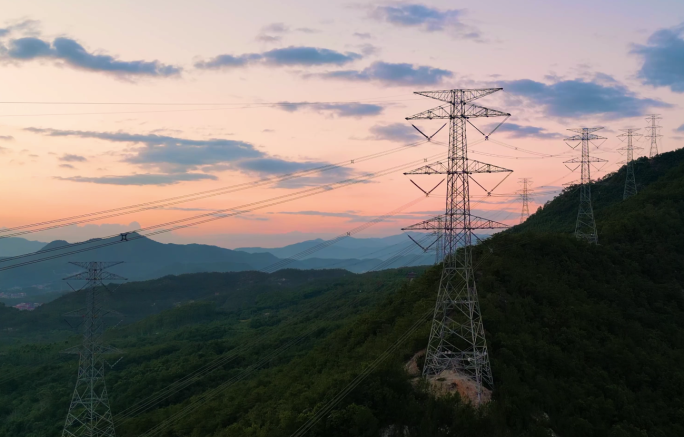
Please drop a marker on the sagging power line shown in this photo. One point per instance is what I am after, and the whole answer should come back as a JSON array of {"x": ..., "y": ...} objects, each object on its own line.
[
  {"x": 70, "y": 249},
  {"x": 16, "y": 231}
]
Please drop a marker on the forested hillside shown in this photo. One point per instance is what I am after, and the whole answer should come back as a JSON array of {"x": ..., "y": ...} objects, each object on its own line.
[{"x": 584, "y": 340}]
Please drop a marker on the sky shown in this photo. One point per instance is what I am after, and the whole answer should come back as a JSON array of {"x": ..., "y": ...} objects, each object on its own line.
[{"x": 110, "y": 104}]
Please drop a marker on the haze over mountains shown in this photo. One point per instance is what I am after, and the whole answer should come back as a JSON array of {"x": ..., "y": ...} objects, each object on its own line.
[
  {"x": 145, "y": 258},
  {"x": 18, "y": 246}
]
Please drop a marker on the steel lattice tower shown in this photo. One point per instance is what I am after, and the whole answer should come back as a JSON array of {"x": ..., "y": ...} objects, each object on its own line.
[
  {"x": 457, "y": 337},
  {"x": 89, "y": 413},
  {"x": 525, "y": 196},
  {"x": 585, "y": 228},
  {"x": 439, "y": 233},
  {"x": 653, "y": 133},
  {"x": 630, "y": 181}
]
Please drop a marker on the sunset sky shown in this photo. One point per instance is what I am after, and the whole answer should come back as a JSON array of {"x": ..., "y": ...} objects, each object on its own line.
[{"x": 109, "y": 104}]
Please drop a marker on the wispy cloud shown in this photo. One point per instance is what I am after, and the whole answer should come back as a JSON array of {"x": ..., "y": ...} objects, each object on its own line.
[
  {"x": 426, "y": 18},
  {"x": 141, "y": 179},
  {"x": 23, "y": 27},
  {"x": 519, "y": 131},
  {"x": 67, "y": 157},
  {"x": 680, "y": 128},
  {"x": 274, "y": 32},
  {"x": 178, "y": 159},
  {"x": 578, "y": 98},
  {"x": 663, "y": 59},
  {"x": 6, "y": 138},
  {"x": 394, "y": 132},
  {"x": 68, "y": 52},
  {"x": 338, "y": 109},
  {"x": 285, "y": 57},
  {"x": 392, "y": 74},
  {"x": 167, "y": 153}
]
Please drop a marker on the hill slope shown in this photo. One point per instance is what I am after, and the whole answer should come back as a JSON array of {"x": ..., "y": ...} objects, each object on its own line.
[{"x": 584, "y": 341}]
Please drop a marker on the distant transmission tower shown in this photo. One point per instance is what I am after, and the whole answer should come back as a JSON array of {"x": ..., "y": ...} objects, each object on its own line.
[
  {"x": 457, "y": 338},
  {"x": 630, "y": 181},
  {"x": 439, "y": 233},
  {"x": 525, "y": 196},
  {"x": 585, "y": 228},
  {"x": 653, "y": 133},
  {"x": 89, "y": 413}
]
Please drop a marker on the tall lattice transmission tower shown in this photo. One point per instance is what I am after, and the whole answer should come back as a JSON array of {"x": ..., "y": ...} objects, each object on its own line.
[
  {"x": 653, "y": 130},
  {"x": 457, "y": 337},
  {"x": 630, "y": 180},
  {"x": 585, "y": 227},
  {"x": 89, "y": 413},
  {"x": 525, "y": 197}
]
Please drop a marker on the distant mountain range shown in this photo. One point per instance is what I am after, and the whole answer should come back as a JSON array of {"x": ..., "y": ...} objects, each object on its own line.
[
  {"x": 148, "y": 259},
  {"x": 349, "y": 247},
  {"x": 18, "y": 246}
]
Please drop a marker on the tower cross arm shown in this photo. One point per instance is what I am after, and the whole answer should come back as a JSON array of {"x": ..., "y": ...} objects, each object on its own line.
[
  {"x": 587, "y": 159},
  {"x": 453, "y": 96},
  {"x": 483, "y": 223},
  {"x": 438, "y": 113},
  {"x": 438, "y": 167},
  {"x": 476, "y": 111},
  {"x": 440, "y": 223},
  {"x": 482, "y": 167},
  {"x": 585, "y": 137},
  {"x": 585, "y": 130},
  {"x": 101, "y": 264},
  {"x": 102, "y": 276},
  {"x": 433, "y": 224}
]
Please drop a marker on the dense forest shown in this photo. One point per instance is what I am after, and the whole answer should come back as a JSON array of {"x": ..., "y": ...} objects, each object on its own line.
[{"x": 584, "y": 340}]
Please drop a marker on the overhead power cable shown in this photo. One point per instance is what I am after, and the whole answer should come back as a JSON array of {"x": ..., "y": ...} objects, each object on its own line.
[
  {"x": 306, "y": 252},
  {"x": 174, "y": 225},
  {"x": 325, "y": 409},
  {"x": 399, "y": 254},
  {"x": 198, "y": 401},
  {"x": 216, "y": 106},
  {"x": 162, "y": 203},
  {"x": 375, "y": 99},
  {"x": 193, "y": 377}
]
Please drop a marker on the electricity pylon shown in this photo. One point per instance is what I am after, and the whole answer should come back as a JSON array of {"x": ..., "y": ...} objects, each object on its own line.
[
  {"x": 653, "y": 133},
  {"x": 630, "y": 181},
  {"x": 89, "y": 413},
  {"x": 440, "y": 242},
  {"x": 525, "y": 196},
  {"x": 585, "y": 227},
  {"x": 457, "y": 337}
]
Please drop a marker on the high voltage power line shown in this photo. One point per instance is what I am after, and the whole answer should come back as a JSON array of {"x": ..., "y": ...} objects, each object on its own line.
[
  {"x": 195, "y": 376},
  {"x": 375, "y": 99},
  {"x": 197, "y": 402},
  {"x": 217, "y": 106},
  {"x": 115, "y": 212},
  {"x": 199, "y": 219},
  {"x": 280, "y": 264}
]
